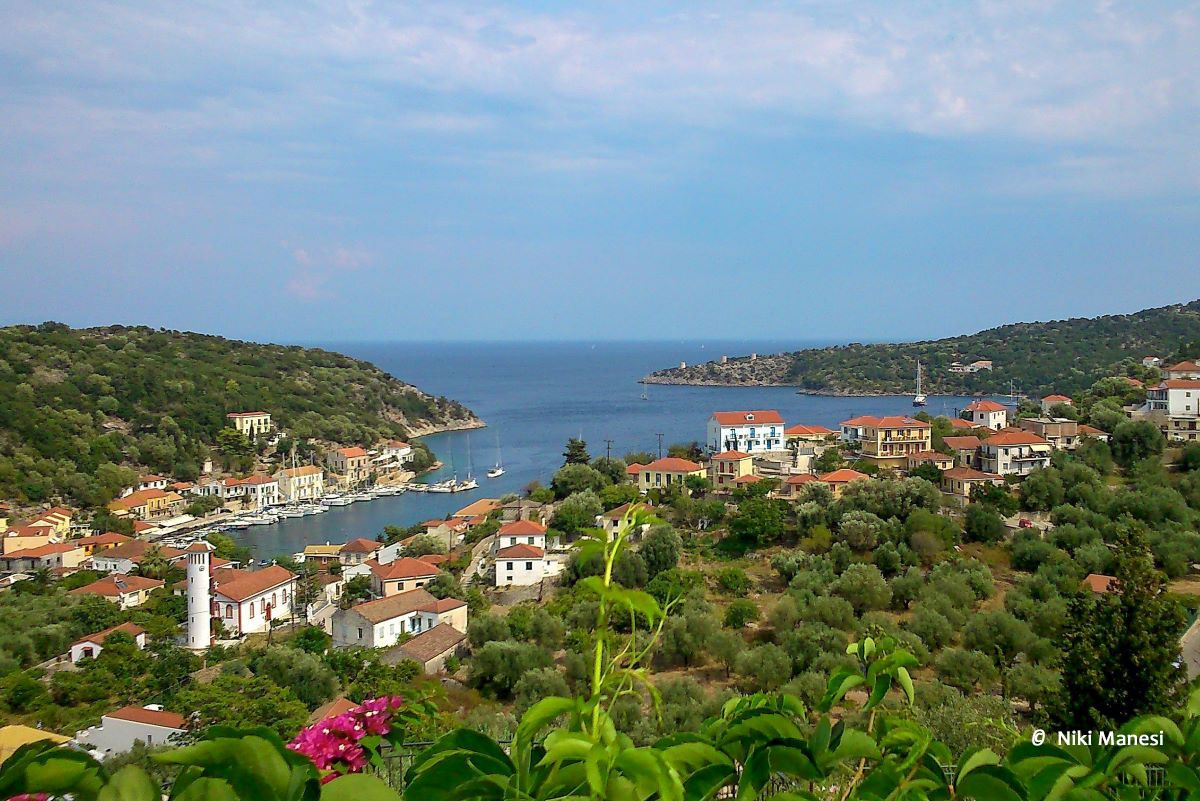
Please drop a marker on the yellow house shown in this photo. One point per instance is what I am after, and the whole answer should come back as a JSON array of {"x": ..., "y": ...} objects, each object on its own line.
[
  {"x": 666, "y": 471},
  {"x": 252, "y": 424},
  {"x": 146, "y": 503},
  {"x": 58, "y": 519},
  {"x": 23, "y": 538},
  {"x": 958, "y": 482},
  {"x": 724, "y": 469},
  {"x": 939, "y": 460},
  {"x": 889, "y": 441},
  {"x": 124, "y": 591},
  {"x": 839, "y": 479}
]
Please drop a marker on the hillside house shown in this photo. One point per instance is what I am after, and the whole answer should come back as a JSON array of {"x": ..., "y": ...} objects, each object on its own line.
[
  {"x": 126, "y": 592},
  {"x": 431, "y": 648},
  {"x": 89, "y": 647},
  {"x": 959, "y": 482},
  {"x": 987, "y": 414},
  {"x": 667, "y": 471},
  {"x": 382, "y": 622},
  {"x": 1014, "y": 452},
  {"x": 725, "y": 468},
  {"x": 251, "y": 424},
  {"x": 889, "y": 441},
  {"x": 520, "y": 565},
  {"x": 120, "y": 729},
  {"x": 753, "y": 432}
]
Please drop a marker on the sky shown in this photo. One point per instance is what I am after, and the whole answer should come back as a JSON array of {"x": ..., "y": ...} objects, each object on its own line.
[{"x": 317, "y": 171}]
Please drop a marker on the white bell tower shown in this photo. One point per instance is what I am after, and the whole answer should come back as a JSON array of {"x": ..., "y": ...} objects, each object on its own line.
[{"x": 199, "y": 596}]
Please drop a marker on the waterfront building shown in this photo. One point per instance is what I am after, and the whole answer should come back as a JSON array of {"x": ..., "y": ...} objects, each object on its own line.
[
  {"x": 148, "y": 504},
  {"x": 255, "y": 491},
  {"x": 297, "y": 484},
  {"x": 753, "y": 432},
  {"x": 352, "y": 464}
]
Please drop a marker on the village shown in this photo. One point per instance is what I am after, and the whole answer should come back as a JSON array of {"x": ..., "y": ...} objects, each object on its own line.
[{"x": 408, "y": 597}]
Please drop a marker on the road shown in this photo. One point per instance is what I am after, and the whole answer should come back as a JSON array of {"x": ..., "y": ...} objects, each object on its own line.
[
  {"x": 1189, "y": 646},
  {"x": 479, "y": 553}
]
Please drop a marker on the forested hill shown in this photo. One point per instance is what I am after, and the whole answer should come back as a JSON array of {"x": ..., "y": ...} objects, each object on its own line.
[
  {"x": 72, "y": 400},
  {"x": 1058, "y": 356}
]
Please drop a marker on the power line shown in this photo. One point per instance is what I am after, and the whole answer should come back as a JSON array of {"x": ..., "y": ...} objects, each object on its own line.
[{"x": 660, "y": 437}]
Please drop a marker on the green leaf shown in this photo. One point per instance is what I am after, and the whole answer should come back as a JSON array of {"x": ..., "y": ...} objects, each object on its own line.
[
  {"x": 906, "y": 682},
  {"x": 974, "y": 759},
  {"x": 130, "y": 783},
  {"x": 205, "y": 789},
  {"x": 358, "y": 787},
  {"x": 990, "y": 783},
  {"x": 541, "y": 714}
]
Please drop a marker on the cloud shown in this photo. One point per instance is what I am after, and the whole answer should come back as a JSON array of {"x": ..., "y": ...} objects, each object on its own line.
[
  {"x": 307, "y": 286},
  {"x": 206, "y": 86}
]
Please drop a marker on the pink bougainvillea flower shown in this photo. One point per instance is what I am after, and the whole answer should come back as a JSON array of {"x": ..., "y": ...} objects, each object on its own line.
[{"x": 334, "y": 744}]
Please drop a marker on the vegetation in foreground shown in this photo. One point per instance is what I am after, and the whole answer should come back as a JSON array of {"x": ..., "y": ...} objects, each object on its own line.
[{"x": 765, "y": 746}]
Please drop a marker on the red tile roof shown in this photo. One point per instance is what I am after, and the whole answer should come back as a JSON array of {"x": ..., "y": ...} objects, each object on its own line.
[
  {"x": 1057, "y": 398},
  {"x": 863, "y": 420},
  {"x": 132, "y": 629},
  {"x": 403, "y": 568},
  {"x": 985, "y": 406},
  {"x": 898, "y": 421},
  {"x": 842, "y": 476},
  {"x": 113, "y": 586},
  {"x": 360, "y": 545},
  {"x": 963, "y": 443},
  {"x": 634, "y": 469},
  {"x": 42, "y": 550},
  {"x": 747, "y": 479},
  {"x": 1084, "y": 428},
  {"x": 673, "y": 464},
  {"x": 139, "y": 498},
  {"x": 332, "y": 709},
  {"x": 151, "y": 717},
  {"x": 107, "y": 538},
  {"x": 443, "y": 605},
  {"x": 1130, "y": 380},
  {"x": 958, "y": 422},
  {"x": 1100, "y": 583},
  {"x": 752, "y": 417},
  {"x": 135, "y": 551},
  {"x": 929, "y": 456},
  {"x": 1180, "y": 383},
  {"x": 731, "y": 456},
  {"x": 801, "y": 430},
  {"x": 1014, "y": 437},
  {"x": 797, "y": 480},
  {"x": 521, "y": 551},
  {"x": 1183, "y": 366},
  {"x": 240, "y": 585},
  {"x": 352, "y": 453},
  {"x": 393, "y": 606},
  {"x": 521, "y": 527},
  {"x": 245, "y": 414},
  {"x": 432, "y": 643},
  {"x": 968, "y": 474}
]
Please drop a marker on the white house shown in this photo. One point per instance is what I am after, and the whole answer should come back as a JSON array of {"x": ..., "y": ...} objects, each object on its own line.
[
  {"x": 1175, "y": 406},
  {"x": 395, "y": 451},
  {"x": 988, "y": 414},
  {"x": 520, "y": 532},
  {"x": 520, "y": 565},
  {"x": 380, "y": 623},
  {"x": 120, "y": 729},
  {"x": 247, "y": 601},
  {"x": 1151, "y": 361},
  {"x": 855, "y": 429},
  {"x": 256, "y": 491},
  {"x": 305, "y": 483},
  {"x": 1184, "y": 370},
  {"x": 125, "y": 557},
  {"x": 1014, "y": 452},
  {"x": 753, "y": 432},
  {"x": 91, "y": 645},
  {"x": 151, "y": 482}
]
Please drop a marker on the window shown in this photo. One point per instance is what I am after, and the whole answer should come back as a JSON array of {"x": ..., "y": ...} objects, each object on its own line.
[
  {"x": 529, "y": 565},
  {"x": 360, "y": 634},
  {"x": 510, "y": 565},
  {"x": 229, "y": 611},
  {"x": 252, "y": 609},
  {"x": 531, "y": 540},
  {"x": 285, "y": 596},
  {"x": 273, "y": 599}
]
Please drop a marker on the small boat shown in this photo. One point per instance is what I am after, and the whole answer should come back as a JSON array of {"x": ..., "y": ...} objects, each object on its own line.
[
  {"x": 462, "y": 486},
  {"x": 264, "y": 562},
  {"x": 498, "y": 470},
  {"x": 919, "y": 399},
  {"x": 341, "y": 500},
  {"x": 291, "y": 511},
  {"x": 442, "y": 486}
]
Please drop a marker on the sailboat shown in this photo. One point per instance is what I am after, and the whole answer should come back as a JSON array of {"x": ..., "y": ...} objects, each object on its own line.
[
  {"x": 498, "y": 470},
  {"x": 470, "y": 483},
  {"x": 919, "y": 398}
]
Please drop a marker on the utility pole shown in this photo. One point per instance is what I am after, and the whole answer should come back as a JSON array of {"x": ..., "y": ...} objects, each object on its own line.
[
  {"x": 608, "y": 449},
  {"x": 660, "y": 436}
]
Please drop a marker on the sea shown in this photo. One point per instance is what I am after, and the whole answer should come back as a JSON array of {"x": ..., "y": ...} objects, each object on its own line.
[{"x": 533, "y": 396}]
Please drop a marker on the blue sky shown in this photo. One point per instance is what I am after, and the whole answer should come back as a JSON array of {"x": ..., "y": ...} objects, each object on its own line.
[{"x": 811, "y": 170}]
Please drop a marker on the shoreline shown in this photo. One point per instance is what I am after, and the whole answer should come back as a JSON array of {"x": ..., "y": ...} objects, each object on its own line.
[{"x": 821, "y": 393}]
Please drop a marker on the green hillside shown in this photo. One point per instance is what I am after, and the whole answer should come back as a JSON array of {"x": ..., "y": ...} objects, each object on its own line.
[
  {"x": 76, "y": 402},
  {"x": 1061, "y": 356}
]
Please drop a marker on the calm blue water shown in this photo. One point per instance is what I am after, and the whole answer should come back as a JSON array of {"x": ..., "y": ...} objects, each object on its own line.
[{"x": 533, "y": 396}]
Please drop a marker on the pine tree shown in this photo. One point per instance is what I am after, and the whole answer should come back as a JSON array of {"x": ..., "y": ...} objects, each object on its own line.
[
  {"x": 576, "y": 452},
  {"x": 1121, "y": 648}
]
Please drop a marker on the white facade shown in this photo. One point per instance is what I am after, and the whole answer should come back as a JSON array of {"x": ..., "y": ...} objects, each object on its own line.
[
  {"x": 750, "y": 432},
  {"x": 520, "y": 566},
  {"x": 117, "y": 734},
  {"x": 199, "y": 597},
  {"x": 988, "y": 414},
  {"x": 86, "y": 648},
  {"x": 1177, "y": 398},
  {"x": 254, "y": 614},
  {"x": 351, "y": 629}
]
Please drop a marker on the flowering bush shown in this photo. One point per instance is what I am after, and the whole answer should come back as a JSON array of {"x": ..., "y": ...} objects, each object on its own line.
[{"x": 345, "y": 743}]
